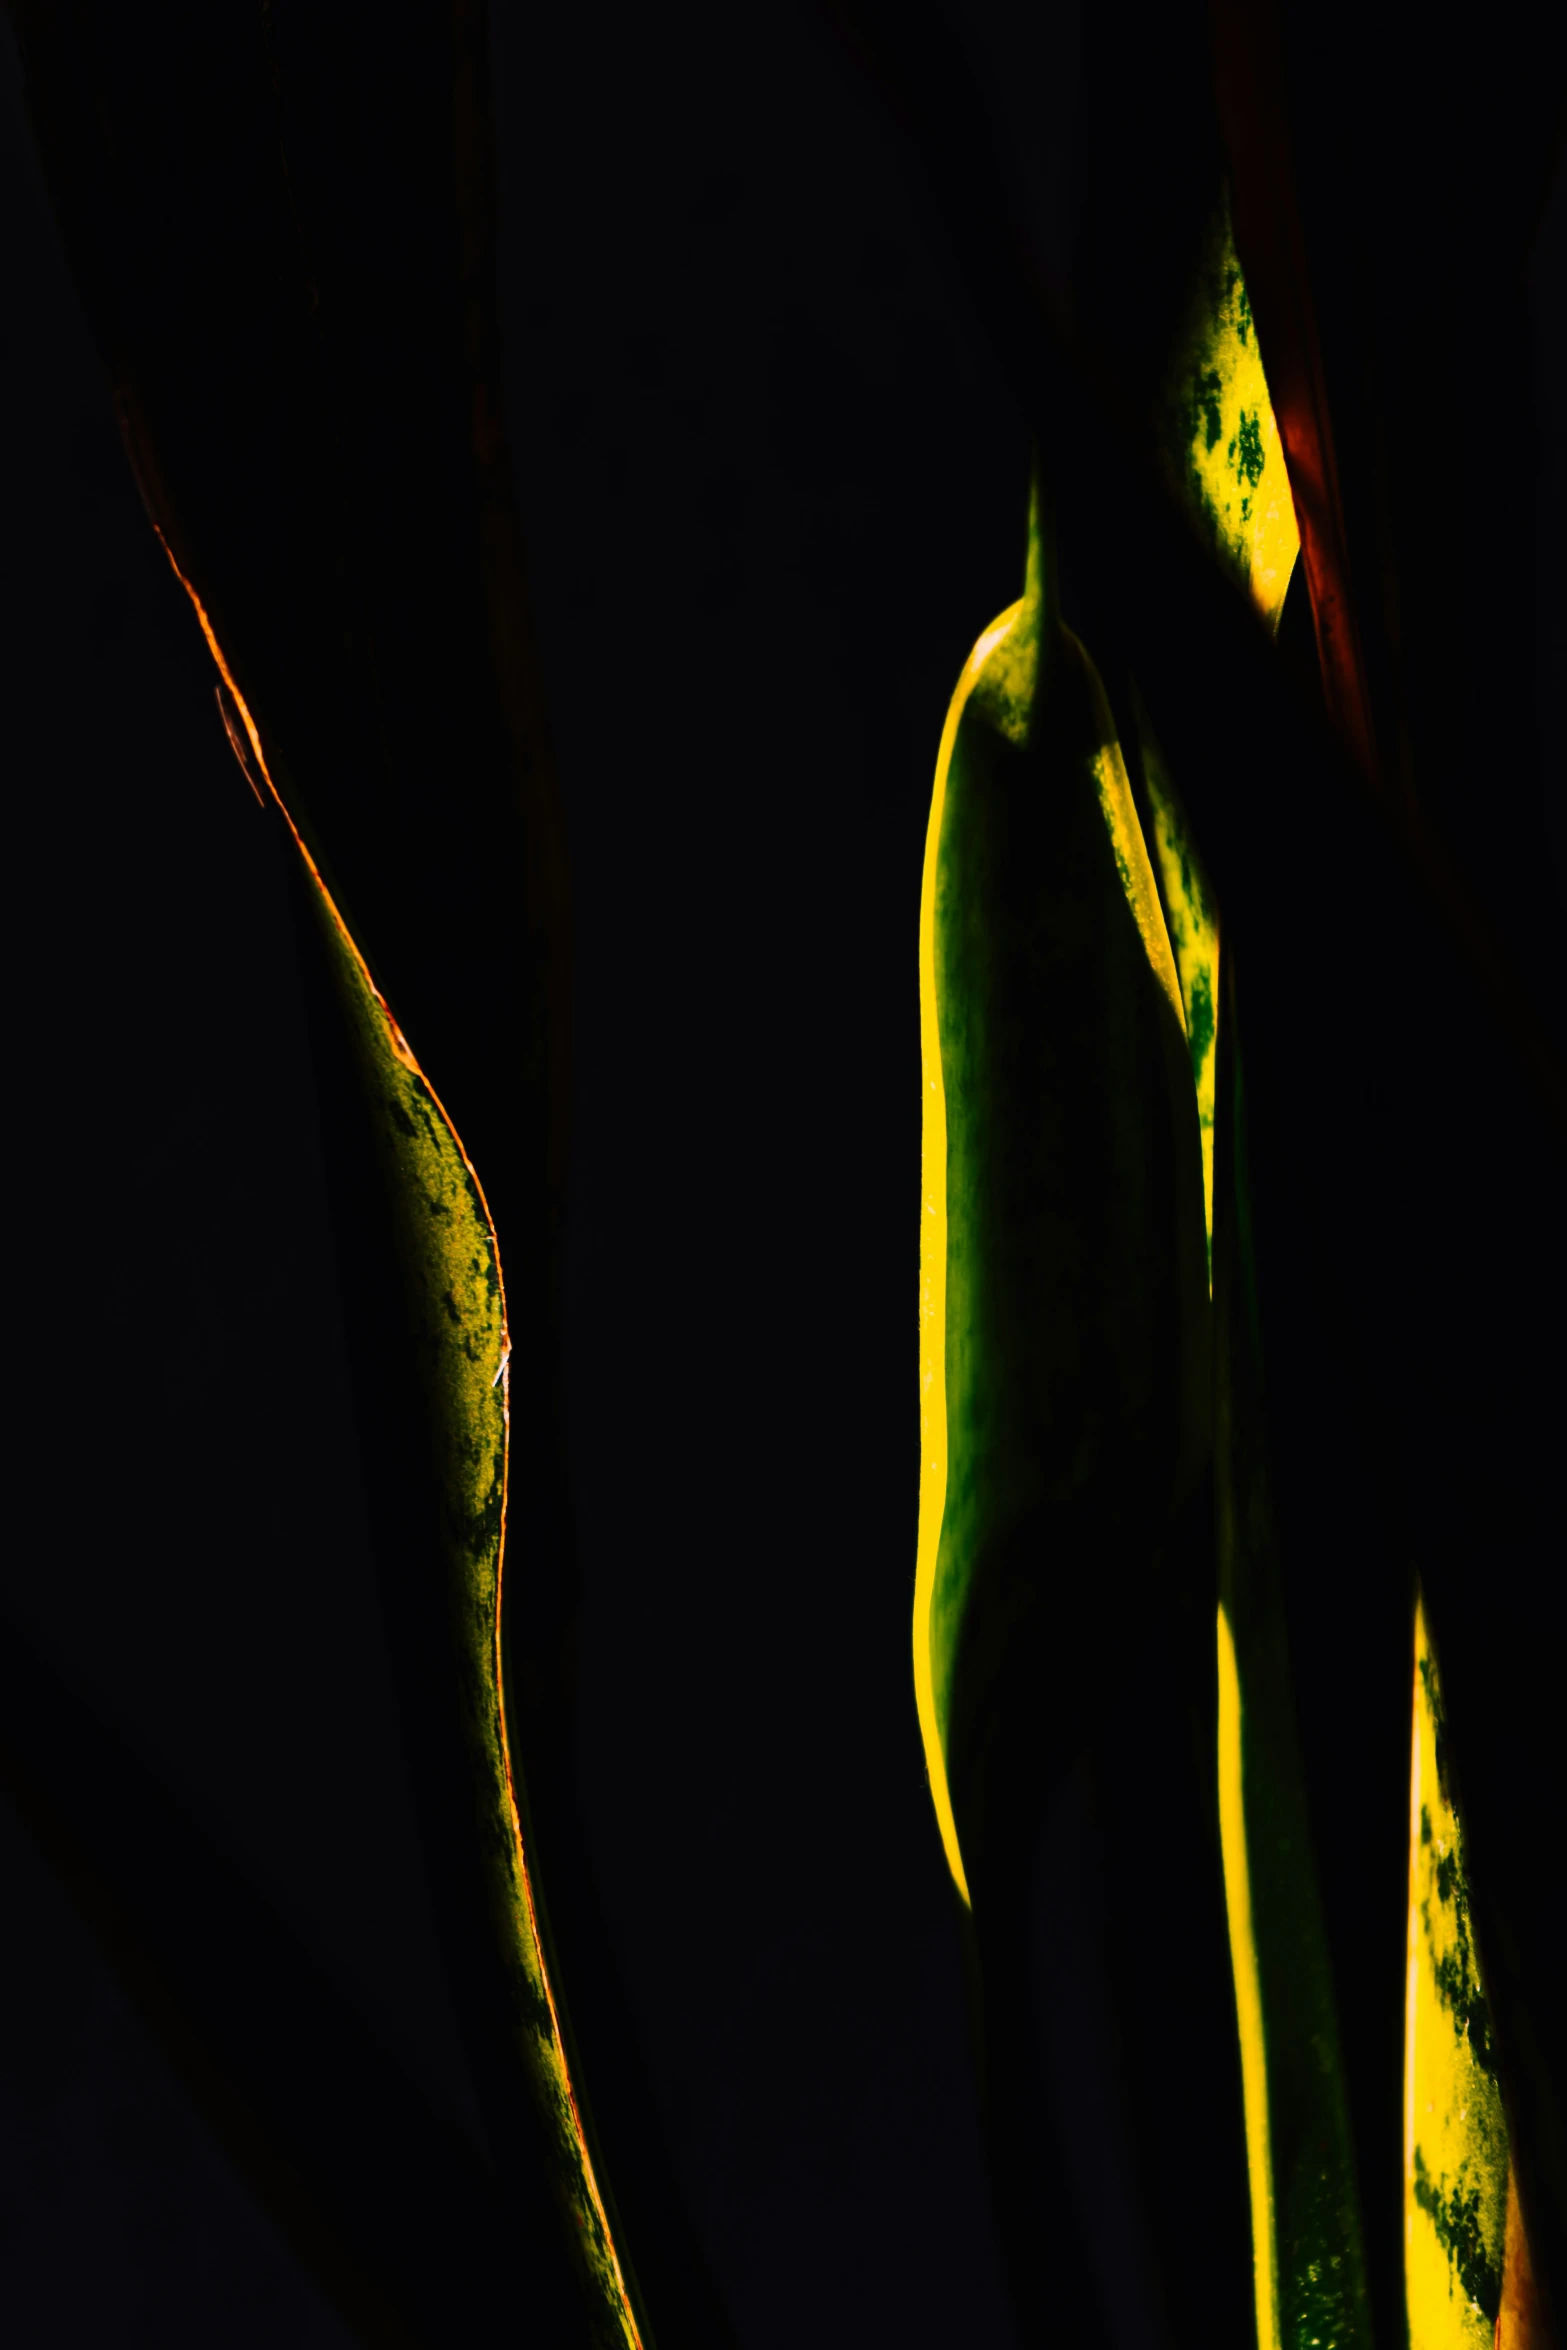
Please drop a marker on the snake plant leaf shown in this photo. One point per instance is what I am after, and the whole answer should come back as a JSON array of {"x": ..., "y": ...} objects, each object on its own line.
[
  {"x": 1221, "y": 447},
  {"x": 1192, "y": 919},
  {"x": 1408, "y": 1418},
  {"x": 1306, "y": 2236},
  {"x": 1389, "y": 1387},
  {"x": 456, "y": 1345},
  {"x": 1456, "y": 2228},
  {"x": 314, "y": 432},
  {"x": 1063, "y": 1347},
  {"x": 456, "y": 1317},
  {"x": 1456, "y": 2165},
  {"x": 1271, "y": 241},
  {"x": 1368, "y": 219},
  {"x": 1307, "y": 2226},
  {"x": 1352, "y": 246},
  {"x": 1220, "y": 433},
  {"x": 1063, "y": 1308}
]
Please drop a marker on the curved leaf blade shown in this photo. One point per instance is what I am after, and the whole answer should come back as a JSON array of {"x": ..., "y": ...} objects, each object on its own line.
[{"x": 455, "y": 1309}]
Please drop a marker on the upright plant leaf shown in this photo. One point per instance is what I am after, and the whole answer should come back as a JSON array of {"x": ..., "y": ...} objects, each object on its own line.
[
  {"x": 1412, "y": 1422},
  {"x": 1306, "y": 2229},
  {"x": 448, "y": 1261},
  {"x": 1221, "y": 447},
  {"x": 309, "y": 401},
  {"x": 1036, "y": 1101},
  {"x": 1220, "y": 433},
  {"x": 1368, "y": 221},
  {"x": 1249, "y": 84},
  {"x": 1192, "y": 917},
  {"x": 1064, "y": 1341},
  {"x": 1455, "y": 2133},
  {"x": 1310, "y": 2260},
  {"x": 1220, "y": 421}
]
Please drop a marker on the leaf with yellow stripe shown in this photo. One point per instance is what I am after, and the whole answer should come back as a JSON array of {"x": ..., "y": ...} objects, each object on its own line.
[
  {"x": 454, "y": 1333},
  {"x": 1063, "y": 1310},
  {"x": 1220, "y": 435},
  {"x": 1455, "y": 2131},
  {"x": 1308, "y": 2240}
]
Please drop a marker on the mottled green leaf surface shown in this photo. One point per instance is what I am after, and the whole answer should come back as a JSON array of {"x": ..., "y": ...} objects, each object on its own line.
[
  {"x": 1219, "y": 434},
  {"x": 455, "y": 1317},
  {"x": 1455, "y": 2150}
]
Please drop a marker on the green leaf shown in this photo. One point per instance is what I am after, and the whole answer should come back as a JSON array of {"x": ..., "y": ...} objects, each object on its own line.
[
  {"x": 1219, "y": 435},
  {"x": 456, "y": 1311},
  {"x": 1063, "y": 1293},
  {"x": 1455, "y": 2135},
  {"x": 1064, "y": 1328},
  {"x": 457, "y": 1343},
  {"x": 1307, "y": 2232}
]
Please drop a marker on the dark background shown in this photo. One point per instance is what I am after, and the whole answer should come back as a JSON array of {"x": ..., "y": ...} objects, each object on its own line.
[
  {"x": 771, "y": 481},
  {"x": 772, "y": 487}
]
